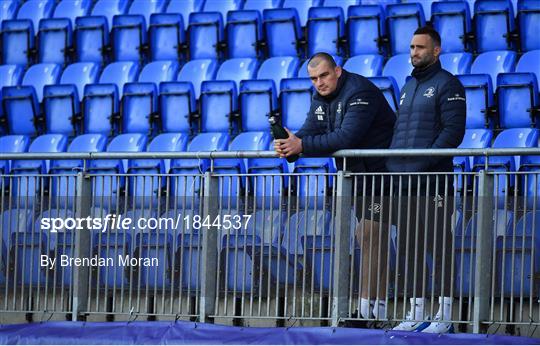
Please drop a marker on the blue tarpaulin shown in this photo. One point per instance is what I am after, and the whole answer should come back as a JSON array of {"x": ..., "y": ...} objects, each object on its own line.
[{"x": 200, "y": 333}]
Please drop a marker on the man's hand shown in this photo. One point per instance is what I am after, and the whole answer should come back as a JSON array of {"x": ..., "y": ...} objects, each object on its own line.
[{"x": 289, "y": 146}]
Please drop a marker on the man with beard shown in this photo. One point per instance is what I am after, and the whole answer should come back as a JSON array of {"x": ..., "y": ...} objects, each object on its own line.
[{"x": 431, "y": 115}]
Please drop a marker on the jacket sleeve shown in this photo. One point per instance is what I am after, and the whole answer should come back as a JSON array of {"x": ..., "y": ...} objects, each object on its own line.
[
  {"x": 360, "y": 110},
  {"x": 452, "y": 107}
]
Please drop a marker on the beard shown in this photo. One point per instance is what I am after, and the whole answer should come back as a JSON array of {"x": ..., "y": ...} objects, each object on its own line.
[{"x": 423, "y": 62}]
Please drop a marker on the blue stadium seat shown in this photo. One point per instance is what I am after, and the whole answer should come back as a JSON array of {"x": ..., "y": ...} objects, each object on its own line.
[
  {"x": 12, "y": 144},
  {"x": 494, "y": 22},
  {"x": 146, "y": 8},
  {"x": 10, "y": 75},
  {"x": 456, "y": 63},
  {"x": 403, "y": 20},
  {"x": 129, "y": 38},
  {"x": 109, "y": 9},
  {"x": 166, "y": 36},
  {"x": 63, "y": 183},
  {"x": 295, "y": 102},
  {"x": 106, "y": 186},
  {"x": 528, "y": 17},
  {"x": 61, "y": 109},
  {"x": 28, "y": 185},
  {"x": 27, "y": 247},
  {"x": 145, "y": 189},
  {"x": 517, "y": 258},
  {"x": 479, "y": 98},
  {"x": 302, "y": 8},
  {"x": 18, "y": 42},
  {"x": 530, "y": 183},
  {"x": 237, "y": 69},
  {"x": 222, "y": 6},
  {"x": 218, "y": 106},
  {"x": 261, "y": 5},
  {"x": 205, "y": 34},
  {"x": 389, "y": 88},
  {"x": 186, "y": 184},
  {"x": 494, "y": 62},
  {"x": 119, "y": 73},
  {"x": 35, "y": 10},
  {"x": 139, "y": 108},
  {"x": 177, "y": 106},
  {"x": 303, "y": 70},
  {"x": 184, "y": 7},
  {"x": 473, "y": 138},
  {"x": 197, "y": 71},
  {"x": 244, "y": 34},
  {"x": 452, "y": 20},
  {"x": 80, "y": 74},
  {"x": 518, "y": 100},
  {"x": 325, "y": 29},
  {"x": 366, "y": 26},
  {"x": 258, "y": 100},
  {"x": 40, "y": 75},
  {"x": 100, "y": 109},
  {"x": 8, "y": 10},
  {"x": 399, "y": 66},
  {"x": 154, "y": 246},
  {"x": 344, "y": 4},
  {"x": 367, "y": 65},
  {"x": 283, "y": 31},
  {"x": 55, "y": 40},
  {"x": 72, "y": 9},
  {"x": 92, "y": 39},
  {"x": 159, "y": 71},
  {"x": 312, "y": 191},
  {"x": 277, "y": 68},
  {"x": 530, "y": 62}
]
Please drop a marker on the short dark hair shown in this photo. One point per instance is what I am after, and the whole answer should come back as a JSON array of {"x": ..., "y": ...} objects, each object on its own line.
[
  {"x": 321, "y": 56},
  {"x": 428, "y": 30}
]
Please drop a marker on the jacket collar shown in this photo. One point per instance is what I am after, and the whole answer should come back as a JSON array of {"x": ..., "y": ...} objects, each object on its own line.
[
  {"x": 427, "y": 72},
  {"x": 333, "y": 95}
]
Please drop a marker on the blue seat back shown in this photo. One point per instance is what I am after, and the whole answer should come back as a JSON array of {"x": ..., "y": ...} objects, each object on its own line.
[
  {"x": 72, "y": 9},
  {"x": 452, "y": 20},
  {"x": 109, "y": 9},
  {"x": 494, "y": 21},
  {"x": 128, "y": 36},
  {"x": 218, "y": 102},
  {"x": 399, "y": 66},
  {"x": 282, "y": 27},
  {"x": 10, "y": 75},
  {"x": 528, "y": 17},
  {"x": 325, "y": 27},
  {"x": 244, "y": 32},
  {"x": 389, "y": 88},
  {"x": 61, "y": 107},
  {"x": 518, "y": 96},
  {"x": 139, "y": 106},
  {"x": 49, "y": 143},
  {"x": 119, "y": 73},
  {"x": 17, "y": 42},
  {"x": 257, "y": 101},
  {"x": 473, "y": 138},
  {"x": 12, "y": 144},
  {"x": 366, "y": 25},
  {"x": 184, "y": 7},
  {"x": 456, "y": 63},
  {"x": 530, "y": 62},
  {"x": 40, "y": 75},
  {"x": 55, "y": 38},
  {"x": 237, "y": 69},
  {"x": 277, "y": 68},
  {"x": 35, "y": 10},
  {"x": 127, "y": 142},
  {"x": 222, "y": 6},
  {"x": 91, "y": 39},
  {"x": 166, "y": 35},
  {"x": 159, "y": 71},
  {"x": 147, "y": 8},
  {"x": 403, "y": 20},
  {"x": 511, "y": 138},
  {"x": 100, "y": 108},
  {"x": 302, "y": 8},
  {"x": 494, "y": 62},
  {"x": 479, "y": 96},
  {"x": 86, "y": 143},
  {"x": 367, "y": 65},
  {"x": 22, "y": 108},
  {"x": 80, "y": 74},
  {"x": 197, "y": 71},
  {"x": 295, "y": 102},
  {"x": 205, "y": 33},
  {"x": 177, "y": 104},
  {"x": 8, "y": 10}
]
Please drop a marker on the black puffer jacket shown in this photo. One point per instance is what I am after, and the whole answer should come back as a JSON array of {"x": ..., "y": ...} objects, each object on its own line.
[
  {"x": 355, "y": 116},
  {"x": 431, "y": 115}
]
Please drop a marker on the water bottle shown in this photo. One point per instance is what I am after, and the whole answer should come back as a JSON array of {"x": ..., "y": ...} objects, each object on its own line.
[{"x": 278, "y": 132}]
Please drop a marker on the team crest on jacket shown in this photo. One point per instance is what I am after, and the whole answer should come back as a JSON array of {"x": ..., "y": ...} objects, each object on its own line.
[{"x": 429, "y": 92}]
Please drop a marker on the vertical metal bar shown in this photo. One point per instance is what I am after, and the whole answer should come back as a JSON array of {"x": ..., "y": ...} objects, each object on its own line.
[
  {"x": 82, "y": 246},
  {"x": 209, "y": 249},
  {"x": 484, "y": 242},
  {"x": 342, "y": 245}
]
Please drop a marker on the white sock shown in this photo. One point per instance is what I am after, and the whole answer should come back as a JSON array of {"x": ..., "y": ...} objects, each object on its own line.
[
  {"x": 417, "y": 308},
  {"x": 379, "y": 309},
  {"x": 365, "y": 307},
  {"x": 445, "y": 308}
]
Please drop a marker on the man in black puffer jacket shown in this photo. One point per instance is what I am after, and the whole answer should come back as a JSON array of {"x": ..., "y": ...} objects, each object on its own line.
[
  {"x": 350, "y": 112},
  {"x": 431, "y": 115}
]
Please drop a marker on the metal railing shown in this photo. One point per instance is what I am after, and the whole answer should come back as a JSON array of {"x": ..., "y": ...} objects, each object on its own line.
[{"x": 271, "y": 245}]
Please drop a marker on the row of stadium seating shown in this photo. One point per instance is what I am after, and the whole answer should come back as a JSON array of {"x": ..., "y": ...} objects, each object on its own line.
[
  {"x": 61, "y": 41},
  {"x": 305, "y": 238},
  {"x": 160, "y": 98}
]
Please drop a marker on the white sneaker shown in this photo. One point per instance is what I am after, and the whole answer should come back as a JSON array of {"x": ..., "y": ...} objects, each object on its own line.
[
  {"x": 411, "y": 326},
  {"x": 439, "y": 327}
]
